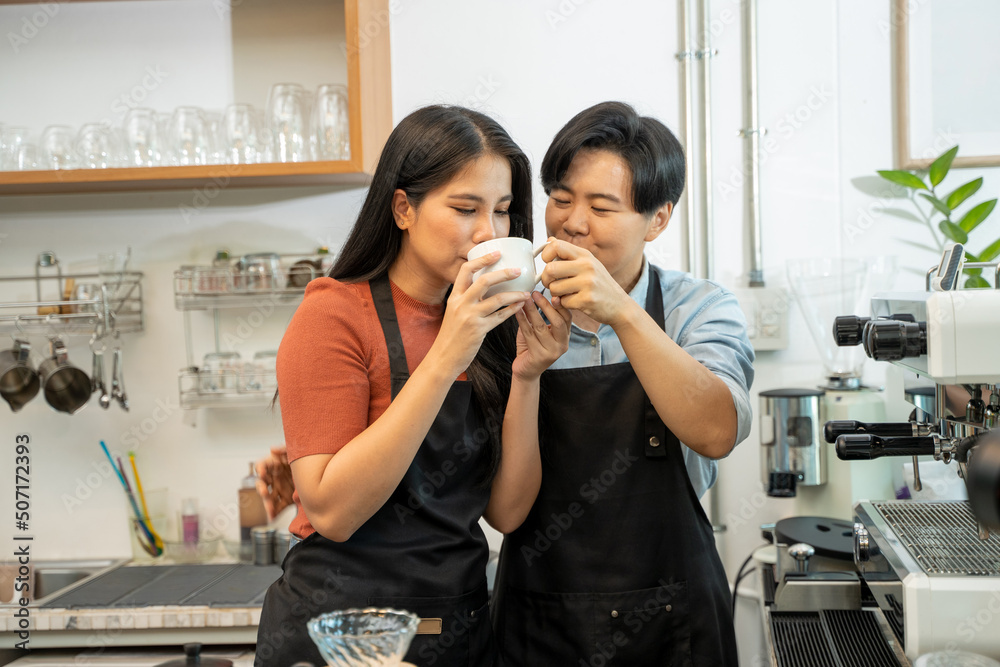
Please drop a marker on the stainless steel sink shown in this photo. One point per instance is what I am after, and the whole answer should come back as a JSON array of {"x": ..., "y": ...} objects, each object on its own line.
[{"x": 51, "y": 577}]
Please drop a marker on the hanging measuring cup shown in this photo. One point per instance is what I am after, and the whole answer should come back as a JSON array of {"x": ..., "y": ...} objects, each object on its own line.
[
  {"x": 18, "y": 380},
  {"x": 66, "y": 387}
]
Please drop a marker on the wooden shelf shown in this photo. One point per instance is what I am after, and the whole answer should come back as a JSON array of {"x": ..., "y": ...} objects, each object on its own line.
[
  {"x": 219, "y": 176},
  {"x": 366, "y": 48}
]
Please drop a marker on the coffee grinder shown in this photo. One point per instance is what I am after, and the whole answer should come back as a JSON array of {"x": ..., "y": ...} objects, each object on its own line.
[{"x": 794, "y": 418}]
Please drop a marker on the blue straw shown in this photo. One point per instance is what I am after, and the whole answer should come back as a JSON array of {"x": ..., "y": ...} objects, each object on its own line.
[
  {"x": 131, "y": 498},
  {"x": 114, "y": 467}
]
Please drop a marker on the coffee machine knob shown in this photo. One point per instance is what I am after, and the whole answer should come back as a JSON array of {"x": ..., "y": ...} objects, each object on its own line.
[
  {"x": 801, "y": 552},
  {"x": 861, "y": 551},
  {"x": 848, "y": 330}
]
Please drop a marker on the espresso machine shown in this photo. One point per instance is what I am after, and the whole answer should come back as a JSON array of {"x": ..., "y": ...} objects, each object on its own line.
[{"x": 926, "y": 573}]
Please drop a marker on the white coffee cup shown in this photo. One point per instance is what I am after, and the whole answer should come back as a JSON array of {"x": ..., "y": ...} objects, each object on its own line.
[{"x": 515, "y": 253}]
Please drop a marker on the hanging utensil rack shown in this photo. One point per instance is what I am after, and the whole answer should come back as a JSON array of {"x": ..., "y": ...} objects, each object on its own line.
[{"x": 116, "y": 305}]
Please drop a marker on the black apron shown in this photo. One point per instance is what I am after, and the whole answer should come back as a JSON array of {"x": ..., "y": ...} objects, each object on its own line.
[
  {"x": 423, "y": 551},
  {"x": 616, "y": 563}
]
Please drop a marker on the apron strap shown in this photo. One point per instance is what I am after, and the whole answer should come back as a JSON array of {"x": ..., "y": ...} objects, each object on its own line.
[
  {"x": 399, "y": 372},
  {"x": 656, "y": 432}
]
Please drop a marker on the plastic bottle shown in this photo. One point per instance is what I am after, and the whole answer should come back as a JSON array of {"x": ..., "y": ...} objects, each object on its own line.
[
  {"x": 189, "y": 520},
  {"x": 252, "y": 512}
]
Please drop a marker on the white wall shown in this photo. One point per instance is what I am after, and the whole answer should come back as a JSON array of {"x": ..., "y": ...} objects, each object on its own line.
[{"x": 533, "y": 65}]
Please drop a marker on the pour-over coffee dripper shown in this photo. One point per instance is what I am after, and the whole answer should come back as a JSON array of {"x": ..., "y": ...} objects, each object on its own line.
[{"x": 363, "y": 637}]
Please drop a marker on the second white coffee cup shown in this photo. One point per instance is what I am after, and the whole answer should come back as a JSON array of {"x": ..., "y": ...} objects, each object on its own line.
[{"x": 515, "y": 253}]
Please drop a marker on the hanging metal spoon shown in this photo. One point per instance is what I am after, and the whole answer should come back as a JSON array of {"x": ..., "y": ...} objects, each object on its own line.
[
  {"x": 97, "y": 379},
  {"x": 117, "y": 380}
]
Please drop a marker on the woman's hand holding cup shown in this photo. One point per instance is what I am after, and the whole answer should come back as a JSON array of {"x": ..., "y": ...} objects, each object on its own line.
[
  {"x": 539, "y": 343},
  {"x": 515, "y": 253},
  {"x": 471, "y": 313}
]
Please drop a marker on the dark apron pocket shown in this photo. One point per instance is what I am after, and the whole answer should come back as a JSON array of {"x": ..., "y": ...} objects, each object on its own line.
[
  {"x": 463, "y": 620},
  {"x": 545, "y": 628},
  {"x": 649, "y": 627}
]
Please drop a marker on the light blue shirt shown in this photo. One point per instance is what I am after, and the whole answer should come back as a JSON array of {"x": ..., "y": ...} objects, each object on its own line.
[{"x": 705, "y": 319}]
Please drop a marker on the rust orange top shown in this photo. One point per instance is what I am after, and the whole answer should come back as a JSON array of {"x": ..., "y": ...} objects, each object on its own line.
[{"x": 333, "y": 367}]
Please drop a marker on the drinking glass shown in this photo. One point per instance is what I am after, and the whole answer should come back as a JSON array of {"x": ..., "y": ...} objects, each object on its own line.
[
  {"x": 97, "y": 146},
  {"x": 188, "y": 138},
  {"x": 26, "y": 157},
  {"x": 11, "y": 140},
  {"x": 57, "y": 148},
  {"x": 265, "y": 137},
  {"x": 239, "y": 134},
  {"x": 330, "y": 124},
  {"x": 308, "y": 104},
  {"x": 216, "y": 142},
  {"x": 142, "y": 138},
  {"x": 286, "y": 112}
]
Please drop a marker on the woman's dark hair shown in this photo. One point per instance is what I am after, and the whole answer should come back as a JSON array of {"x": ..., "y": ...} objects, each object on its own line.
[
  {"x": 426, "y": 150},
  {"x": 651, "y": 151}
]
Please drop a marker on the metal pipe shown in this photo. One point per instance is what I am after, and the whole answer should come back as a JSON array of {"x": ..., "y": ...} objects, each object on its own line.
[
  {"x": 686, "y": 81},
  {"x": 705, "y": 135},
  {"x": 751, "y": 142},
  {"x": 700, "y": 247}
]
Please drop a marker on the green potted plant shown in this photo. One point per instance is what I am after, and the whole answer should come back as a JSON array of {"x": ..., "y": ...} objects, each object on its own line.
[{"x": 952, "y": 226}]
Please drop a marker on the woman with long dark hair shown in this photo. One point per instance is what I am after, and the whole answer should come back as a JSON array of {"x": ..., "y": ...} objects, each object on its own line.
[{"x": 409, "y": 401}]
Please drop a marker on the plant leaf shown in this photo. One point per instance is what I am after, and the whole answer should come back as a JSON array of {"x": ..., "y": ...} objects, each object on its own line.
[
  {"x": 903, "y": 178},
  {"x": 963, "y": 192},
  {"x": 940, "y": 166},
  {"x": 976, "y": 215},
  {"x": 877, "y": 187},
  {"x": 953, "y": 232},
  {"x": 991, "y": 252},
  {"x": 937, "y": 203},
  {"x": 976, "y": 281}
]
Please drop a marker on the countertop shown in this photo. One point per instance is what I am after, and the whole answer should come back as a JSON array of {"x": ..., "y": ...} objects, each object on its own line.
[{"x": 141, "y": 613}]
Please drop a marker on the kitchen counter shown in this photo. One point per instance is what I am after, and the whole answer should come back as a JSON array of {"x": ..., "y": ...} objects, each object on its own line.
[
  {"x": 143, "y": 605},
  {"x": 150, "y": 657},
  {"x": 134, "y": 626}
]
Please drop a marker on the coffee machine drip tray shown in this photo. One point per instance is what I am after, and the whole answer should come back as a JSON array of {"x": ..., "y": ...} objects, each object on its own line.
[{"x": 942, "y": 537}]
